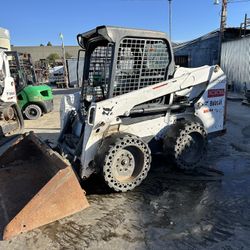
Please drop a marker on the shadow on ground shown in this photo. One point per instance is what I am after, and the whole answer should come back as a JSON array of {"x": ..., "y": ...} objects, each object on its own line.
[{"x": 96, "y": 185}]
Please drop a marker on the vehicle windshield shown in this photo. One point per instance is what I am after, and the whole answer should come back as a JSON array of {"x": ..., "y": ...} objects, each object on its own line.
[{"x": 140, "y": 62}]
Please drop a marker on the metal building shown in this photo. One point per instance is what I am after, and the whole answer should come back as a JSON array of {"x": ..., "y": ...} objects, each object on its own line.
[
  {"x": 198, "y": 52},
  {"x": 235, "y": 61},
  {"x": 203, "y": 50},
  {"x": 42, "y": 52}
]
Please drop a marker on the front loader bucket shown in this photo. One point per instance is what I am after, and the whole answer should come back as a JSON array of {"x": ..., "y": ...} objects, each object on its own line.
[{"x": 37, "y": 187}]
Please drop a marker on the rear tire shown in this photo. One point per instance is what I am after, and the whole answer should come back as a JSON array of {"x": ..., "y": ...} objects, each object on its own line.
[
  {"x": 186, "y": 144},
  {"x": 32, "y": 112},
  {"x": 126, "y": 163}
]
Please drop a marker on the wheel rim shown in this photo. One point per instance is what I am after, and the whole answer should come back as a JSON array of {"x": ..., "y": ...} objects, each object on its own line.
[
  {"x": 127, "y": 164},
  {"x": 123, "y": 165},
  {"x": 32, "y": 112},
  {"x": 192, "y": 148}
]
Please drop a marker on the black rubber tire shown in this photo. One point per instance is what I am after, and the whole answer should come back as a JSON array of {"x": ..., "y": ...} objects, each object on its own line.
[
  {"x": 136, "y": 156},
  {"x": 186, "y": 144},
  {"x": 32, "y": 112}
]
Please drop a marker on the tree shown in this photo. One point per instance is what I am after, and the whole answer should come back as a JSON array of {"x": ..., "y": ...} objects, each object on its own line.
[
  {"x": 41, "y": 45},
  {"x": 53, "y": 57},
  {"x": 49, "y": 44}
]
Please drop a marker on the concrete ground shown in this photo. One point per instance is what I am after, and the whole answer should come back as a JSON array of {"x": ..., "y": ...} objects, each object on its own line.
[
  {"x": 48, "y": 126},
  {"x": 170, "y": 210}
]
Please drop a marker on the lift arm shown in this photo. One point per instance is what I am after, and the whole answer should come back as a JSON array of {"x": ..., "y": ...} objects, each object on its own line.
[{"x": 108, "y": 110}]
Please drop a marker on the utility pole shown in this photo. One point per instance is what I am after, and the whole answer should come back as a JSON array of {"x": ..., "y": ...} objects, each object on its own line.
[
  {"x": 223, "y": 20},
  {"x": 170, "y": 18},
  {"x": 223, "y": 23},
  {"x": 64, "y": 63},
  {"x": 245, "y": 24}
]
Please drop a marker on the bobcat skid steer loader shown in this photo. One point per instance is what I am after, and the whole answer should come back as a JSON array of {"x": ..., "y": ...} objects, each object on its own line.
[{"x": 134, "y": 102}]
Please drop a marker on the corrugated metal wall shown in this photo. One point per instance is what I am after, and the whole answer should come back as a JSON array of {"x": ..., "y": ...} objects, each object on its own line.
[{"x": 235, "y": 62}]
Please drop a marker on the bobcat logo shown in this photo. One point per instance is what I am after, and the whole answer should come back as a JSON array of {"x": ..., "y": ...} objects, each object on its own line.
[{"x": 107, "y": 111}]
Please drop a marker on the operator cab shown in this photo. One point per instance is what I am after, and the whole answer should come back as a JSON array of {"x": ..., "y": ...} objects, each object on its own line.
[{"x": 121, "y": 60}]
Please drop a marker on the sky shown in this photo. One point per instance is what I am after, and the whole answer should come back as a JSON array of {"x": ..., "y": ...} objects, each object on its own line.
[{"x": 33, "y": 22}]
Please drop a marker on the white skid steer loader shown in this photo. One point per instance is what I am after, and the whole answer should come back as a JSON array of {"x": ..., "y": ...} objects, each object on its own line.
[{"x": 134, "y": 102}]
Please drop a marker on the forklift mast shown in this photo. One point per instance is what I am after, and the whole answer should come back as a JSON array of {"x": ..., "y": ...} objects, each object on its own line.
[{"x": 21, "y": 69}]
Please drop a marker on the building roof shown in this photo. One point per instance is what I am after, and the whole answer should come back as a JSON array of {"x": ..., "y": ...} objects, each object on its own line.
[
  {"x": 230, "y": 34},
  {"x": 204, "y": 37}
]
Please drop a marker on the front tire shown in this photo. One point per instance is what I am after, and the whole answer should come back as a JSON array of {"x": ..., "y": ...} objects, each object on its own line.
[
  {"x": 186, "y": 144},
  {"x": 32, "y": 112},
  {"x": 126, "y": 163}
]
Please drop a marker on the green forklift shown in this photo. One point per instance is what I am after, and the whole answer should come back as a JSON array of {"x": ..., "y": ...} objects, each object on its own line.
[{"x": 33, "y": 99}]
